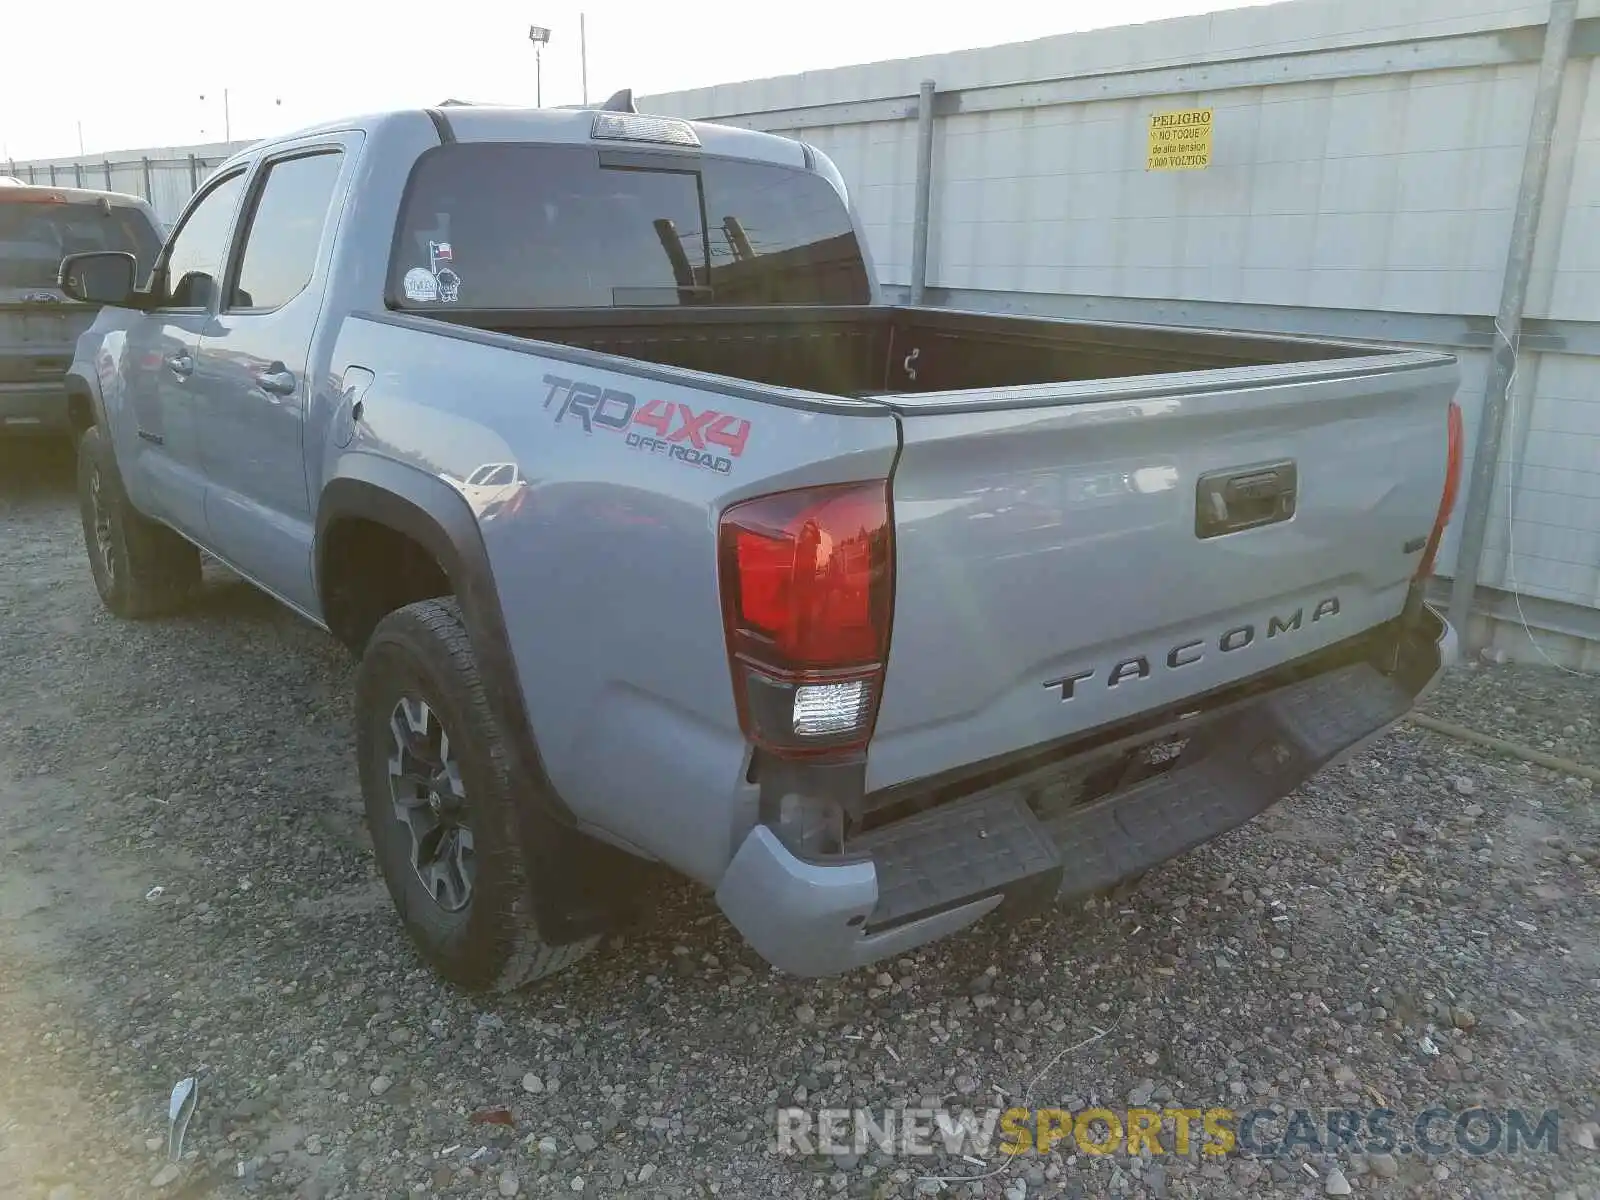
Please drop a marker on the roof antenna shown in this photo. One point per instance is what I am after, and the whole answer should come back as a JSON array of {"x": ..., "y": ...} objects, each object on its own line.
[{"x": 620, "y": 102}]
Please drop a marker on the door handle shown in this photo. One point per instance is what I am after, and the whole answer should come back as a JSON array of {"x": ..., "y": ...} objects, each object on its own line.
[
  {"x": 181, "y": 365},
  {"x": 279, "y": 383}
]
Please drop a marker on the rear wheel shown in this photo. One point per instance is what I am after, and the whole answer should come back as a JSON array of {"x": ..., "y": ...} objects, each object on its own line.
[
  {"x": 440, "y": 801},
  {"x": 140, "y": 568}
]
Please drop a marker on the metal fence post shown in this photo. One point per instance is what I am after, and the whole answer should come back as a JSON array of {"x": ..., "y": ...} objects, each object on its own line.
[
  {"x": 108, "y": 175},
  {"x": 149, "y": 190},
  {"x": 77, "y": 173},
  {"x": 1508, "y": 324},
  {"x": 194, "y": 176},
  {"x": 919, "y": 226},
  {"x": 52, "y": 174}
]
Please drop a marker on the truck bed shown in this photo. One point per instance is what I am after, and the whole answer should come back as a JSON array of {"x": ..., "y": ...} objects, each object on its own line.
[
  {"x": 869, "y": 351},
  {"x": 1092, "y": 520},
  {"x": 1051, "y": 524}
]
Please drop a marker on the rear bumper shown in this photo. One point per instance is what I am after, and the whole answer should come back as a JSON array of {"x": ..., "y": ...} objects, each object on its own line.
[
  {"x": 33, "y": 408},
  {"x": 931, "y": 874}
]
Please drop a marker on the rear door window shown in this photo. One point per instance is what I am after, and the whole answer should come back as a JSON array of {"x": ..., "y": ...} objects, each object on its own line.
[
  {"x": 36, "y": 234},
  {"x": 509, "y": 226}
]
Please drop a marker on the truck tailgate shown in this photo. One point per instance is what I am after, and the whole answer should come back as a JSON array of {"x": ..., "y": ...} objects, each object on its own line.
[
  {"x": 36, "y": 339},
  {"x": 1071, "y": 555}
]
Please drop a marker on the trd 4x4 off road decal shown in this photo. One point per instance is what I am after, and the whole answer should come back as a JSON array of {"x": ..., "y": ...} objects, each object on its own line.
[{"x": 707, "y": 439}]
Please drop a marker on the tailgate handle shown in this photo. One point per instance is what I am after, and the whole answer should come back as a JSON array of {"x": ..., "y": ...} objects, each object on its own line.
[{"x": 1237, "y": 498}]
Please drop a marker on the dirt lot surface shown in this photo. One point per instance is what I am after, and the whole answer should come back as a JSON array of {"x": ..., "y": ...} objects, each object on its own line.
[{"x": 186, "y": 889}]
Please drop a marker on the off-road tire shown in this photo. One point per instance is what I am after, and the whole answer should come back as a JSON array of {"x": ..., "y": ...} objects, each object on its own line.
[
  {"x": 140, "y": 568},
  {"x": 493, "y": 944}
]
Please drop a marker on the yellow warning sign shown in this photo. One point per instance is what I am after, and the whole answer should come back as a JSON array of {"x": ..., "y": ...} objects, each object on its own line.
[{"x": 1180, "y": 141}]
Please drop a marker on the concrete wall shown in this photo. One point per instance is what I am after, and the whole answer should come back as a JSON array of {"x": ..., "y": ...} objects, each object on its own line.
[{"x": 1365, "y": 163}]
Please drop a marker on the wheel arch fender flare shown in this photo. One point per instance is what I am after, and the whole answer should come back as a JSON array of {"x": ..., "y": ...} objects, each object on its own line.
[
  {"x": 581, "y": 886},
  {"x": 437, "y": 517},
  {"x": 78, "y": 387}
]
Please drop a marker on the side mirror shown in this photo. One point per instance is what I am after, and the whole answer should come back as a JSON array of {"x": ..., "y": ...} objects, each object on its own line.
[{"x": 104, "y": 277}]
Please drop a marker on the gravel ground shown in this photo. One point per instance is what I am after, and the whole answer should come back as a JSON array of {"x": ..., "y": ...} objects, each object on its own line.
[{"x": 186, "y": 889}]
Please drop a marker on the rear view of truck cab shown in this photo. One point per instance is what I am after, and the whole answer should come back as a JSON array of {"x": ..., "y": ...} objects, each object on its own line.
[
  {"x": 659, "y": 536},
  {"x": 888, "y": 616}
]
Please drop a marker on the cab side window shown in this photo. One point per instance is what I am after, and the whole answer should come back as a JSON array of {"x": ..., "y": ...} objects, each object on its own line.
[
  {"x": 280, "y": 249},
  {"x": 195, "y": 255}
]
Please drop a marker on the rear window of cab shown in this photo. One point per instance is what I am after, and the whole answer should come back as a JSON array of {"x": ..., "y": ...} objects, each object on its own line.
[
  {"x": 500, "y": 225},
  {"x": 38, "y": 228}
]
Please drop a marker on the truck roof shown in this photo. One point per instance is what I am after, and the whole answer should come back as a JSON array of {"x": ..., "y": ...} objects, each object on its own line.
[
  {"x": 22, "y": 191},
  {"x": 569, "y": 126}
]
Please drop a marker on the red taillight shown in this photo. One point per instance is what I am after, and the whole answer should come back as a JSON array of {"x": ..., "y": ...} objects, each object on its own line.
[
  {"x": 1452, "y": 485},
  {"x": 807, "y": 592}
]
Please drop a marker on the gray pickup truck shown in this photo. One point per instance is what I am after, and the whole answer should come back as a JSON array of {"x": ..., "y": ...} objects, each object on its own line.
[
  {"x": 39, "y": 226},
  {"x": 661, "y": 538}
]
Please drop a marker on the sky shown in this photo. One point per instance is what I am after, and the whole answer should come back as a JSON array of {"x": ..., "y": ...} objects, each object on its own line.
[{"x": 140, "y": 76}]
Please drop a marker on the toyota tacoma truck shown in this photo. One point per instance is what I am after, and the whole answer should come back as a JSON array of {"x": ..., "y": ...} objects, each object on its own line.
[
  {"x": 39, "y": 226},
  {"x": 661, "y": 538}
]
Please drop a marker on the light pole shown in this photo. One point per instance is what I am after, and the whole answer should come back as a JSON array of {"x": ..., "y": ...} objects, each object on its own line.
[
  {"x": 227, "y": 118},
  {"x": 227, "y": 113},
  {"x": 540, "y": 37},
  {"x": 583, "y": 57}
]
